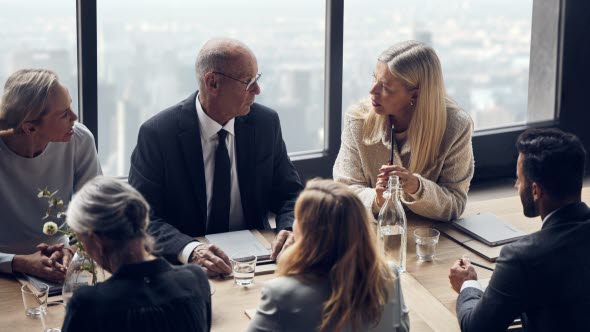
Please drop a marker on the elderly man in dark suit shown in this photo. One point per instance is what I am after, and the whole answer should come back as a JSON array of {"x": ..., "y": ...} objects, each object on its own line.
[
  {"x": 215, "y": 162},
  {"x": 543, "y": 276}
]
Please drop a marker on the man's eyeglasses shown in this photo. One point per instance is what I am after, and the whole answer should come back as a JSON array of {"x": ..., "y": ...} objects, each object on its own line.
[{"x": 249, "y": 84}]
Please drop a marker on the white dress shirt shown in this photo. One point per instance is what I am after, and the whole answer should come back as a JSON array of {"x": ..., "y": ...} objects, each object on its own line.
[{"x": 209, "y": 141}]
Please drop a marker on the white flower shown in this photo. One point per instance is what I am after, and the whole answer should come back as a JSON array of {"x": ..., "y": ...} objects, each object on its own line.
[
  {"x": 44, "y": 193},
  {"x": 50, "y": 228}
]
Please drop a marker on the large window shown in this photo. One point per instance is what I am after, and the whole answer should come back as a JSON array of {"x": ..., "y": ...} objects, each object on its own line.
[
  {"x": 484, "y": 48},
  {"x": 510, "y": 64},
  {"x": 146, "y": 54},
  {"x": 37, "y": 35}
]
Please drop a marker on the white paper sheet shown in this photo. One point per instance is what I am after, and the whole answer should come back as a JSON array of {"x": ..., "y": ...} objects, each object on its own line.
[{"x": 239, "y": 242}]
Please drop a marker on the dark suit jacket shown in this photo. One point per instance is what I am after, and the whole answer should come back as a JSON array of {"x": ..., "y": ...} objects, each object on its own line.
[
  {"x": 147, "y": 296},
  {"x": 544, "y": 275},
  {"x": 167, "y": 168}
]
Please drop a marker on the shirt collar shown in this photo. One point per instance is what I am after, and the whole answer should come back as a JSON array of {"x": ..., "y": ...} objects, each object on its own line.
[
  {"x": 141, "y": 269},
  {"x": 208, "y": 127},
  {"x": 549, "y": 215}
]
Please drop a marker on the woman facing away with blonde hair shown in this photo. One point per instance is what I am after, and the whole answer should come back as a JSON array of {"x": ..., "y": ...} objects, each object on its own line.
[
  {"x": 41, "y": 146},
  {"x": 433, "y": 156},
  {"x": 332, "y": 278}
]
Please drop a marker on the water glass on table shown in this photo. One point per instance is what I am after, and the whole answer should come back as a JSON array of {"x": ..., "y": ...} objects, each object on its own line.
[
  {"x": 35, "y": 300},
  {"x": 53, "y": 318},
  {"x": 243, "y": 268},
  {"x": 426, "y": 242}
]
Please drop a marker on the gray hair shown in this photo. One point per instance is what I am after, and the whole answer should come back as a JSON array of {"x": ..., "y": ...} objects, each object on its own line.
[
  {"x": 111, "y": 208},
  {"x": 25, "y": 97},
  {"x": 216, "y": 55}
]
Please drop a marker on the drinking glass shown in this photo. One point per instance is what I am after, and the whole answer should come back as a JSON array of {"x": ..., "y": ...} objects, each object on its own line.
[
  {"x": 426, "y": 241},
  {"x": 243, "y": 268},
  {"x": 35, "y": 300},
  {"x": 53, "y": 317}
]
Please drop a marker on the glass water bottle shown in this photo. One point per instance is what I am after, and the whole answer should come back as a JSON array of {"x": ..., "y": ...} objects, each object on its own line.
[{"x": 392, "y": 226}]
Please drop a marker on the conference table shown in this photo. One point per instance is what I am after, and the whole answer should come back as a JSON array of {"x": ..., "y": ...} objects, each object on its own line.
[{"x": 425, "y": 285}]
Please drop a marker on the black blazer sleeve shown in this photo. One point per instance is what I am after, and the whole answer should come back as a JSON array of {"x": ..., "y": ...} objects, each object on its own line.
[
  {"x": 204, "y": 294},
  {"x": 286, "y": 183},
  {"x": 147, "y": 176},
  {"x": 503, "y": 300}
]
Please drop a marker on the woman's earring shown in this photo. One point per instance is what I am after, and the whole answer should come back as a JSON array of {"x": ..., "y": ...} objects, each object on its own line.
[{"x": 412, "y": 103}]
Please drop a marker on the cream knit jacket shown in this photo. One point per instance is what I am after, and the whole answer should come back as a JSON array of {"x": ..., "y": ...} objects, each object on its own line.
[{"x": 443, "y": 187}]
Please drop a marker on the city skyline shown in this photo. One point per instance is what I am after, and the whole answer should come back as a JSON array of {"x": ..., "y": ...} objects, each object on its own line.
[{"x": 145, "y": 63}]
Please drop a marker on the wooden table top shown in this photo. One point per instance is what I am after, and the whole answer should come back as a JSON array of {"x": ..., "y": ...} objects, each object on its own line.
[{"x": 426, "y": 287}]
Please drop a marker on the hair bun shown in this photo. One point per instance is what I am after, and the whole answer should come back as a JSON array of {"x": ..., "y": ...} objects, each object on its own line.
[{"x": 135, "y": 212}]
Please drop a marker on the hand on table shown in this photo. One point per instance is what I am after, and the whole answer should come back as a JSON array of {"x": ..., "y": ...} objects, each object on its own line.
[
  {"x": 58, "y": 254},
  {"x": 38, "y": 264},
  {"x": 460, "y": 272},
  {"x": 409, "y": 182},
  {"x": 282, "y": 241},
  {"x": 212, "y": 259}
]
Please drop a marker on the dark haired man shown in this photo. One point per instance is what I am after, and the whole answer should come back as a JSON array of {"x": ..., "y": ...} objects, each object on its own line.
[{"x": 543, "y": 276}]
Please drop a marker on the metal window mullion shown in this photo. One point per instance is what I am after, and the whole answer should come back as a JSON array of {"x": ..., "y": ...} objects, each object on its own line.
[
  {"x": 87, "y": 65},
  {"x": 333, "y": 78}
]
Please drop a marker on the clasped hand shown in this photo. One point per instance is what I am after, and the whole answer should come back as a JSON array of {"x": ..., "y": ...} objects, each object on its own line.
[
  {"x": 409, "y": 182},
  {"x": 49, "y": 262}
]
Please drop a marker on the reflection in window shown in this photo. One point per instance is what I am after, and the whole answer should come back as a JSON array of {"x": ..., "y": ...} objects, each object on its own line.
[
  {"x": 484, "y": 49},
  {"x": 146, "y": 54}
]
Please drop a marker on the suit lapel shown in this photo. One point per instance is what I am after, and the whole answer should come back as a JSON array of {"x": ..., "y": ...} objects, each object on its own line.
[
  {"x": 246, "y": 158},
  {"x": 189, "y": 138}
]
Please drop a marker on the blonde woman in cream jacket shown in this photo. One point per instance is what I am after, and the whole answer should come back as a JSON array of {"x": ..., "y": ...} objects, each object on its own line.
[{"x": 433, "y": 155}]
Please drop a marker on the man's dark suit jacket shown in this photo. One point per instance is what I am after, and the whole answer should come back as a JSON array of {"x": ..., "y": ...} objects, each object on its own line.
[
  {"x": 148, "y": 296},
  {"x": 545, "y": 275},
  {"x": 167, "y": 168}
]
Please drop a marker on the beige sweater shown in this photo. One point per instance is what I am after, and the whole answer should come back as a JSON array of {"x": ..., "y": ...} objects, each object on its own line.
[{"x": 443, "y": 187}]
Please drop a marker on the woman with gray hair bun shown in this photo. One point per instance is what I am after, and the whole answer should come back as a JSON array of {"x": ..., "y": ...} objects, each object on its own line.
[{"x": 144, "y": 293}]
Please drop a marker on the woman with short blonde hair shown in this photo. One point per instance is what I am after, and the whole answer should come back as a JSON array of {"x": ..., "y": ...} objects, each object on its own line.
[
  {"x": 332, "y": 278},
  {"x": 41, "y": 147},
  {"x": 432, "y": 153},
  {"x": 25, "y": 98}
]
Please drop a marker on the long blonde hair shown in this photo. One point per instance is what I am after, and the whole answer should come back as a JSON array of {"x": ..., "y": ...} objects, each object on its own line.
[
  {"x": 418, "y": 67},
  {"x": 25, "y": 98},
  {"x": 338, "y": 243}
]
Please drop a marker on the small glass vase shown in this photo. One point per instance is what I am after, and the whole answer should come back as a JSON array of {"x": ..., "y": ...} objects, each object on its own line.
[{"x": 82, "y": 271}]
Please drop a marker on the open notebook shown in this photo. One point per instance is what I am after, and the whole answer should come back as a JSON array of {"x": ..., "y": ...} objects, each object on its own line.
[
  {"x": 240, "y": 242},
  {"x": 54, "y": 287}
]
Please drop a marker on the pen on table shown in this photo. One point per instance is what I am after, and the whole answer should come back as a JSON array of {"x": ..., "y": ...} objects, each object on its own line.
[
  {"x": 482, "y": 266},
  {"x": 392, "y": 137},
  {"x": 477, "y": 264}
]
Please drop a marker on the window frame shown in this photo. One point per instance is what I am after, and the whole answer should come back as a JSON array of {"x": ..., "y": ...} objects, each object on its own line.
[{"x": 495, "y": 154}]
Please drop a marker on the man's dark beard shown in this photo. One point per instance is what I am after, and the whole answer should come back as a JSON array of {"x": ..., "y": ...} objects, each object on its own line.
[{"x": 528, "y": 203}]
